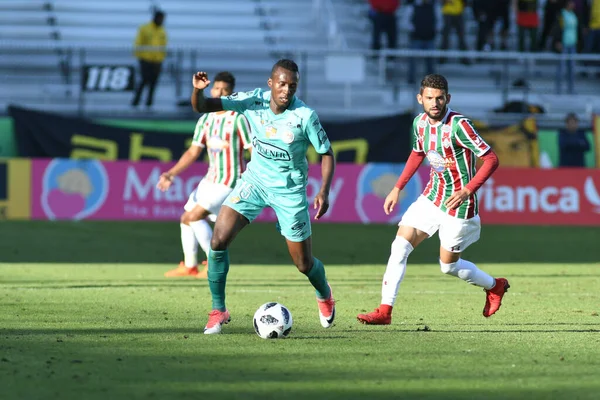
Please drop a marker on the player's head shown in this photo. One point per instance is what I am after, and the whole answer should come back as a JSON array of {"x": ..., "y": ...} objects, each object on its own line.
[
  {"x": 434, "y": 96},
  {"x": 572, "y": 122},
  {"x": 159, "y": 17},
  {"x": 223, "y": 84},
  {"x": 283, "y": 83}
]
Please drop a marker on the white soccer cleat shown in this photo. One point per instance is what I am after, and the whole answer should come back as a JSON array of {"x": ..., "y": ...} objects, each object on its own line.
[{"x": 326, "y": 310}]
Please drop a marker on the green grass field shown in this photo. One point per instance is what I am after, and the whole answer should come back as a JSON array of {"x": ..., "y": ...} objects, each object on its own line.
[{"x": 85, "y": 313}]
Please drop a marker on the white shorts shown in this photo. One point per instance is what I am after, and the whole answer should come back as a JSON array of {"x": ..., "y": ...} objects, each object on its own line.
[
  {"x": 455, "y": 234},
  {"x": 209, "y": 196}
]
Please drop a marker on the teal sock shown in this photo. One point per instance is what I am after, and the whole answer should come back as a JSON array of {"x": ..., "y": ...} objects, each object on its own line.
[
  {"x": 317, "y": 278},
  {"x": 218, "y": 266}
]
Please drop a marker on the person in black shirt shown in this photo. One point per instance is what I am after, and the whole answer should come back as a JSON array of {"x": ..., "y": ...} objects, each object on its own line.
[{"x": 572, "y": 143}]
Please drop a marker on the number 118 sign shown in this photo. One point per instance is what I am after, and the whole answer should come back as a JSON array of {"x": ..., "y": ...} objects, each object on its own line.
[{"x": 108, "y": 78}]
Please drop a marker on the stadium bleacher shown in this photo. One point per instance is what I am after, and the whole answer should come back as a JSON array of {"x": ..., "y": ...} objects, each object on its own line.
[{"x": 40, "y": 44}]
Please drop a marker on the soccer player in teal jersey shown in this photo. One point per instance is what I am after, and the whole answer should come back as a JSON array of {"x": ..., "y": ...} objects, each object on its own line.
[{"x": 276, "y": 176}]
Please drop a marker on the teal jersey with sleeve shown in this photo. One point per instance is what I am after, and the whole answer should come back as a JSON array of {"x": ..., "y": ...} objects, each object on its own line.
[{"x": 279, "y": 141}]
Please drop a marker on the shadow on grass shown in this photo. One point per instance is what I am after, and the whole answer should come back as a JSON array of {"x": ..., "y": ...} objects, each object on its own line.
[
  {"x": 35, "y": 364},
  {"x": 341, "y": 244}
]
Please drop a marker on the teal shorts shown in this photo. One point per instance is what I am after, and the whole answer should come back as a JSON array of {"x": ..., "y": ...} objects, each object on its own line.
[{"x": 293, "y": 220}]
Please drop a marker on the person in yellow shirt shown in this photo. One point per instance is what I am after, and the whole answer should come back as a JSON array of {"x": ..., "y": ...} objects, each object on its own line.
[
  {"x": 150, "y": 34},
  {"x": 452, "y": 12}
]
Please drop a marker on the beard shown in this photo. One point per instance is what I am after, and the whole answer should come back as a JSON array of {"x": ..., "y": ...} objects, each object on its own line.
[{"x": 439, "y": 116}]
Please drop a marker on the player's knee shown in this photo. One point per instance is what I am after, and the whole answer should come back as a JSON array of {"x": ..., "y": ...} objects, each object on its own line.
[
  {"x": 185, "y": 218},
  {"x": 218, "y": 241},
  {"x": 303, "y": 263},
  {"x": 450, "y": 269}
]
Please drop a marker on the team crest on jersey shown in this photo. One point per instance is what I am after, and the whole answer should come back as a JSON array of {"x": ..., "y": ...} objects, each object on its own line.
[
  {"x": 288, "y": 137},
  {"x": 437, "y": 162},
  {"x": 446, "y": 142},
  {"x": 270, "y": 132}
]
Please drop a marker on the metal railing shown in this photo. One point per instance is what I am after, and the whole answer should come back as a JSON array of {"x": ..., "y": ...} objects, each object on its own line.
[{"x": 27, "y": 82}]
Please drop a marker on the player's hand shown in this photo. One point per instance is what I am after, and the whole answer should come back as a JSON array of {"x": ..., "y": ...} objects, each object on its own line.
[
  {"x": 321, "y": 204},
  {"x": 391, "y": 200},
  {"x": 200, "y": 80},
  {"x": 164, "y": 182},
  {"x": 457, "y": 198}
]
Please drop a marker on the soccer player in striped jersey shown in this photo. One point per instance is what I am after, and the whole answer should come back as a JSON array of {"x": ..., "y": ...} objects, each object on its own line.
[
  {"x": 225, "y": 135},
  {"x": 447, "y": 205}
]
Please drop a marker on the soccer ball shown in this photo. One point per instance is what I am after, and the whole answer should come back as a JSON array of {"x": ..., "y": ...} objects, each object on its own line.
[{"x": 272, "y": 321}]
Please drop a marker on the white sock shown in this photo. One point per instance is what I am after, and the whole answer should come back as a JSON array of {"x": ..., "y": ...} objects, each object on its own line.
[
  {"x": 394, "y": 272},
  {"x": 189, "y": 246},
  {"x": 468, "y": 272},
  {"x": 203, "y": 233}
]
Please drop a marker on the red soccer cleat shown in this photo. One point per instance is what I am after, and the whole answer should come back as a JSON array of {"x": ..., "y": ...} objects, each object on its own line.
[
  {"x": 381, "y": 316},
  {"x": 493, "y": 298},
  {"x": 182, "y": 270}
]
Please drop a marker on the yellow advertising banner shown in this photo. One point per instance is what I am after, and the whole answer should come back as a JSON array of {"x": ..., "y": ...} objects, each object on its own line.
[{"x": 15, "y": 189}]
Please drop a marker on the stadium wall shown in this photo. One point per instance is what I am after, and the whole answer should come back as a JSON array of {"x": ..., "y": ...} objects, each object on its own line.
[{"x": 70, "y": 189}]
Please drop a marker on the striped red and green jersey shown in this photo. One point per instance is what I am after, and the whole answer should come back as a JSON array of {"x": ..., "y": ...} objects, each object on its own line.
[
  {"x": 452, "y": 147},
  {"x": 225, "y": 136}
]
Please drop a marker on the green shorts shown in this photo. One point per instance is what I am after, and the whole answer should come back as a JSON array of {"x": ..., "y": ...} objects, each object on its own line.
[{"x": 291, "y": 209}]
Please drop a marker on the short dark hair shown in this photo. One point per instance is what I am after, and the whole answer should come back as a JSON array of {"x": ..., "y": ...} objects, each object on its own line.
[
  {"x": 434, "y": 81},
  {"x": 571, "y": 116},
  {"x": 227, "y": 77},
  {"x": 159, "y": 13},
  {"x": 285, "y": 64}
]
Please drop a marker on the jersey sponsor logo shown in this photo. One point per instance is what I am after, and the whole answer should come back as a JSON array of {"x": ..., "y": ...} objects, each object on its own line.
[
  {"x": 215, "y": 144},
  {"x": 270, "y": 151},
  {"x": 437, "y": 162},
  {"x": 288, "y": 137}
]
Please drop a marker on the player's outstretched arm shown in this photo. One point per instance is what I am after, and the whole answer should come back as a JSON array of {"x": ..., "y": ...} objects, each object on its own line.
[
  {"x": 321, "y": 203},
  {"x": 166, "y": 178},
  {"x": 200, "y": 103}
]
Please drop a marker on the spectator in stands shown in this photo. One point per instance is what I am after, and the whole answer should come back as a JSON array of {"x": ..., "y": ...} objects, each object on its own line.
[
  {"x": 423, "y": 35},
  {"x": 501, "y": 12},
  {"x": 383, "y": 16},
  {"x": 566, "y": 43},
  {"x": 483, "y": 11},
  {"x": 150, "y": 34},
  {"x": 527, "y": 23},
  {"x": 551, "y": 13},
  {"x": 592, "y": 28},
  {"x": 572, "y": 143},
  {"x": 452, "y": 12}
]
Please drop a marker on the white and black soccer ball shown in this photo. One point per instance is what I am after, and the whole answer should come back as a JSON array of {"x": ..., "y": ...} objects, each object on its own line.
[{"x": 272, "y": 321}]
